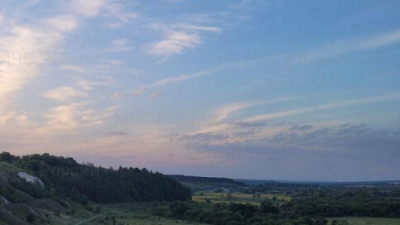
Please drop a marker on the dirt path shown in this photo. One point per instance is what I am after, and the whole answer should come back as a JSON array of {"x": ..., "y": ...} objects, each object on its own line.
[{"x": 85, "y": 221}]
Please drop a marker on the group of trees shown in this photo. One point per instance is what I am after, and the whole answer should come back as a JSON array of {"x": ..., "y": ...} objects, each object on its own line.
[
  {"x": 366, "y": 202},
  {"x": 380, "y": 199},
  {"x": 234, "y": 214},
  {"x": 65, "y": 178}
]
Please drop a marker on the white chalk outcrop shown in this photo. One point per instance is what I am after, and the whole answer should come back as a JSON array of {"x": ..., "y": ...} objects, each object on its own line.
[{"x": 30, "y": 178}]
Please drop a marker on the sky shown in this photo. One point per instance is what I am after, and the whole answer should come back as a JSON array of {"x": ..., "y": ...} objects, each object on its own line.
[{"x": 256, "y": 89}]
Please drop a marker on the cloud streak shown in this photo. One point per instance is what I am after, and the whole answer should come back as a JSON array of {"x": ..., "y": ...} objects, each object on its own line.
[
  {"x": 350, "y": 45},
  {"x": 293, "y": 112},
  {"x": 175, "y": 43},
  {"x": 64, "y": 94},
  {"x": 326, "y": 51}
]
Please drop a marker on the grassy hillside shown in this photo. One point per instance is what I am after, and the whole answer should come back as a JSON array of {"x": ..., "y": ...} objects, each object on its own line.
[
  {"x": 45, "y": 189},
  {"x": 367, "y": 221}
]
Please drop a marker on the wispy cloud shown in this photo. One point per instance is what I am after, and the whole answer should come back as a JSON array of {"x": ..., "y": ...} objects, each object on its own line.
[
  {"x": 197, "y": 27},
  {"x": 178, "y": 37},
  {"x": 88, "y": 85},
  {"x": 28, "y": 44},
  {"x": 118, "y": 15},
  {"x": 258, "y": 128},
  {"x": 350, "y": 45},
  {"x": 322, "y": 107},
  {"x": 226, "y": 111},
  {"x": 87, "y": 8},
  {"x": 120, "y": 45},
  {"x": 138, "y": 91},
  {"x": 73, "y": 68},
  {"x": 326, "y": 51},
  {"x": 74, "y": 116},
  {"x": 156, "y": 94},
  {"x": 33, "y": 42},
  {"x": 64, "y": 23},
  {"x": 64, "y": 94},
  {"x": 171, "y": 80},
  {"x": 116, "y": 62},
  {"x": 174, "y": 43}
]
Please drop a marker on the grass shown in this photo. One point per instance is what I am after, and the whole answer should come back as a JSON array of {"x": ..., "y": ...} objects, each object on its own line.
[
  {"x": 239, "y": 198},
  {"x": 138, "y": 219},
  {"x": 8, "y": 168},
  {"x": 368, "y": 221},
  {"x": 129, "y": 214}
]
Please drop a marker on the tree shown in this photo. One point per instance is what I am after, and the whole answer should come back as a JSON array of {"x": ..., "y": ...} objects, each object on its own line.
[{"x": 6, "y": 157}]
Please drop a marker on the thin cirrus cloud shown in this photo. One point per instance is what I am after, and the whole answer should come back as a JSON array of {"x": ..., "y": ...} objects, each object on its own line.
[
  {"x": 156, "y": 94},
  {"x": 177, "y": 79},
  {"x": 73, "y": 68},
  {"x": 120, "y": 45},
  {"x": 74, "y": 116},
  {"x": 178, "y": 38},
  {"x": 87, "y": 8},
  {"x": 224, "y": 112},
  {"x": 323, "y": 52},
  {"x": 175, "y": 43},
  {"x": 198, "y": 28},
  {"x": 119, "y": 16},
  {"x": 64, "y": 94},
  {"x": 64, "y": 23},
  {"x": 322, "y": 107},
  {"x": 350, "y": 45}
]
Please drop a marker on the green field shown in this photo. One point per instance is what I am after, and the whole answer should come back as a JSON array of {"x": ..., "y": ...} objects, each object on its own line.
[
  {"x": 368, "y": 221},
  {"x": 239, "y": 198}
]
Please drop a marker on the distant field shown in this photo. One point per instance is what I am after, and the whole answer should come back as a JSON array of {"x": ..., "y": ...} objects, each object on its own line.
[
  {"x": 368, "y": 221},
  {"x": 239, "y": 198}
]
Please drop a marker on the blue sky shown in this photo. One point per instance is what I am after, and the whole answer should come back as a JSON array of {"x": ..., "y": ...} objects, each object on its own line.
[{"x": 286, "y": 90}]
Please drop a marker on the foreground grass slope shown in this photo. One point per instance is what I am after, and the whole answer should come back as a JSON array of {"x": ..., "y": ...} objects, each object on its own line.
[
  {"x": 368, "y": 220},
  {"x": 132, "y": 214}
]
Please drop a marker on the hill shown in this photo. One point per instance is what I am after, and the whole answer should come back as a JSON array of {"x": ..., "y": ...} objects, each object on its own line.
[
  {"x": 202, "y": 183},
  {"x": 38, "y": 187}
]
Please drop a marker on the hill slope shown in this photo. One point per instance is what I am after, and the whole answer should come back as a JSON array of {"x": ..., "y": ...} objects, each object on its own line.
[
  {"x": 207, "y": 183},
  {"x": 37, "y": 187}
]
